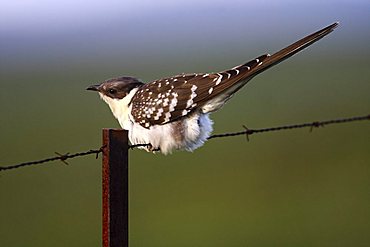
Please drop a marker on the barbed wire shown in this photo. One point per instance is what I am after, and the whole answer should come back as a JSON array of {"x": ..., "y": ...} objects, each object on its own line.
[
  {"x": 311, "y": 125},
  {"x": 247, "y": 132},
  {"x": 61, "y": 157}
]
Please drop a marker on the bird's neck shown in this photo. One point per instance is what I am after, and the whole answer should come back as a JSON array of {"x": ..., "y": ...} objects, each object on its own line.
[{"x": 121, "y": 108}]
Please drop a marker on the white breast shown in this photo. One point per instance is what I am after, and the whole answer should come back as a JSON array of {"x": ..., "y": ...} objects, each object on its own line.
[{"x": 187, "y": 133}]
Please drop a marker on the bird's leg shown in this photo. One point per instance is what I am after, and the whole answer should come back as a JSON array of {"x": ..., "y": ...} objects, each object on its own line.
[{"x": 152, "y": 149}]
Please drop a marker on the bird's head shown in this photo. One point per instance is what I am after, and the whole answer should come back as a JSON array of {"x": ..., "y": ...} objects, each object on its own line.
[
  {"x": 117, "y": 92},
  {"x": 116, "y": 88}
]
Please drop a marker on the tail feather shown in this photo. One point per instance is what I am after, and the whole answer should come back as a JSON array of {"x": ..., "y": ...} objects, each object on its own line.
[
  {"x": 230, "y": 81},
  {"x": 292, "y": 49}
]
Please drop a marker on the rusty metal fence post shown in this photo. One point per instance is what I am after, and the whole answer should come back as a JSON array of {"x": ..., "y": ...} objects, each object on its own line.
[{"x": 115, "y": 188}]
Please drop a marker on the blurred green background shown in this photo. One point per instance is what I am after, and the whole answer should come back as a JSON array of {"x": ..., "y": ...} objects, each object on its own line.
[{"x": 291, "y": 188}]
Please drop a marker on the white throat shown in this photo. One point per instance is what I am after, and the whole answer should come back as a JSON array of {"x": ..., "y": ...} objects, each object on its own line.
[{"x": 120, "y": 108}]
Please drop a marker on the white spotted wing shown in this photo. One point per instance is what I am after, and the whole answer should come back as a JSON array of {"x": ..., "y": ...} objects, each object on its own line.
[{"x": 165, "y": 100}]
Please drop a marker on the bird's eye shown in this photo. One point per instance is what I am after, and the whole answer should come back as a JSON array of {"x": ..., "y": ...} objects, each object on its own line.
[{"x": 112, "y": 91}]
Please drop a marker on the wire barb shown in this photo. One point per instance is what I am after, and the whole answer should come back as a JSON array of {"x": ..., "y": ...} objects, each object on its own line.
[
  {"x": 247, "y": 132},
  {"x": 63, "y": 157}
]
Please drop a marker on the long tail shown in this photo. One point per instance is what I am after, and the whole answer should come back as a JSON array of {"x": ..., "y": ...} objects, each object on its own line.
[
  {"x": 235, "y": 78},
  {"x": 293, "y": 48},
  {"x": 213, "y": 90}
]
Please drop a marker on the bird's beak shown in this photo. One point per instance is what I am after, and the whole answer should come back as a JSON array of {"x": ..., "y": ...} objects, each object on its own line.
[{"x": 93, "y": 88}]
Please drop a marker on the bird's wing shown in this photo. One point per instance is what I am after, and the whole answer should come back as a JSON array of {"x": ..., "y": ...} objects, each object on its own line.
[
  {"x": 169, "y": 99},
  {"x": 158, "y": 102}
]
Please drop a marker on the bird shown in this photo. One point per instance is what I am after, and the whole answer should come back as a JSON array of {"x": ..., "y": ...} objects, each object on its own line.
[{"x": 173, "y": 113}]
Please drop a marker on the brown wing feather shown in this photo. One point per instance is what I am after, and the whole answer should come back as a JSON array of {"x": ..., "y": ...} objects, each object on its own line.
[
  {"x": 155, "y": 100},
  {"x": 226, "y": 79}
]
